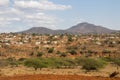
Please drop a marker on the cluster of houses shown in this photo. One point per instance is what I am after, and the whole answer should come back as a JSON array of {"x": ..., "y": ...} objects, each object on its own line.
[
  {"x": 24, "y": 39},
  {"x": 21, "y": 39},
  {"x": 58, "y": 41}
]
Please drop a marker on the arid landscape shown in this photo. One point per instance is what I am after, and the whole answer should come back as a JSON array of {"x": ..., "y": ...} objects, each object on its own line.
[
  {"x": 94, "y": 56},
  {"x": 59, "y": 39}
]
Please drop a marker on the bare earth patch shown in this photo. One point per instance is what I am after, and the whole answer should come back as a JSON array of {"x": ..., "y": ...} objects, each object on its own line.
[{"x": 56, "y": 77}]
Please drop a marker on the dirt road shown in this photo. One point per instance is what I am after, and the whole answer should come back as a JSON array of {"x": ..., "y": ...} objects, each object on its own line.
[{"x": 55, "y": 77}]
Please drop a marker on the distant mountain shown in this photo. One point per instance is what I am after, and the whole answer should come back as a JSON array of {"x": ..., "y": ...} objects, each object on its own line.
[
  {"x": 40, "y": 30},
  {"x": 79, "y": 28},
  {"x": 89, "y": 28},
  {"x": 43, "y": 30}
]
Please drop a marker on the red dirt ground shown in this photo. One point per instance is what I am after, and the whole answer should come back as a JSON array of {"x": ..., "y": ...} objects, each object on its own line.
[{"x": 56, "y": 77}]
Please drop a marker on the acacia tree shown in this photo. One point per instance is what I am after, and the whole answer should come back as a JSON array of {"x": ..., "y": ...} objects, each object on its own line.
[{"x": 35, "y": 63}]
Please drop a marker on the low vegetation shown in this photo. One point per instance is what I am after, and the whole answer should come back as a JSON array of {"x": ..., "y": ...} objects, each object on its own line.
[
  {"x": 86, "y": 63},
  {"x": 35, "y": 63}
]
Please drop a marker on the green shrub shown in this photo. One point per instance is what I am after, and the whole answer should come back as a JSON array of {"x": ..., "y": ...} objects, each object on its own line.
[
  {"x": 90, "y": 51},
  {"x": 58, "y": 52},
  {"x": 79, "y": 61},
  {"x": 49, "y": 63},
  {"x": 70, "y": 39},
  {"x": 21, "y": 59},
  {"x": 62, "y": 62},
  {"x": 114, "y": 60},
  {"x": 39, "y": 54},
  {"x": 82, "y": 52},
  {"x": 73, "y": 52},
  {"x": 72, "y": 47},
  {"x": 8, "y": 62},
  {"x": 63, "y": 54},
  {"x": 12, "y": 61},
  {"x": 92, "y": 64},
  {"x": 31, "y": 54},
  {"x": 106, "y": 51},
  {"x": 117, "y": 61},
  {"x": 84, "y": 48},
  {"x": 35, "y": 63},
  {"x": 51, "y": 50},
  {"x": 108, "y": 59}
]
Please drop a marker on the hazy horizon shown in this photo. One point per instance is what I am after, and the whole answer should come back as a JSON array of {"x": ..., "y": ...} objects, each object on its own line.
[{"x": 18, "y": 15}]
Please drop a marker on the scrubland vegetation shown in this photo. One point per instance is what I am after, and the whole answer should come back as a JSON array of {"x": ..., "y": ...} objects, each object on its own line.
[
  {"x": 88, "y": 52},
  {"x": 38, "y": 63}
]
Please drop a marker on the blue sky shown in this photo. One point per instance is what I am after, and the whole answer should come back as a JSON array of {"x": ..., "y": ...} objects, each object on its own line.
[
  {"x": 17, "y": 15},
  {"x": 99, "y": 12}
]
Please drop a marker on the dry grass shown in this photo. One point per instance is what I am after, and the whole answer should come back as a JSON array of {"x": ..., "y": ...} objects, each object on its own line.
[{"x": 21, "y": 70}]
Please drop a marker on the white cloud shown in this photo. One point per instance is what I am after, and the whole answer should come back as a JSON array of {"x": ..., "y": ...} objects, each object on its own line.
[
  {"x": 12, "y": 11},
  {"x": 9, "y": 19},
  {"x": 4, "y": 2},
  {"x": 37, "y": 19},
  {"x": 5, "y": 21},
  {"x": 30, "y": 13},
  {"x": 42, "y": 5},
  {"x": 40, "y": 20},
  {"x": 8, "y": 16}
]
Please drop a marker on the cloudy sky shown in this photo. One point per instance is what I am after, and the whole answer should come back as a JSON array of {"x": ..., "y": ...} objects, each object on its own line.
[{"x": 18, "y": 15}]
